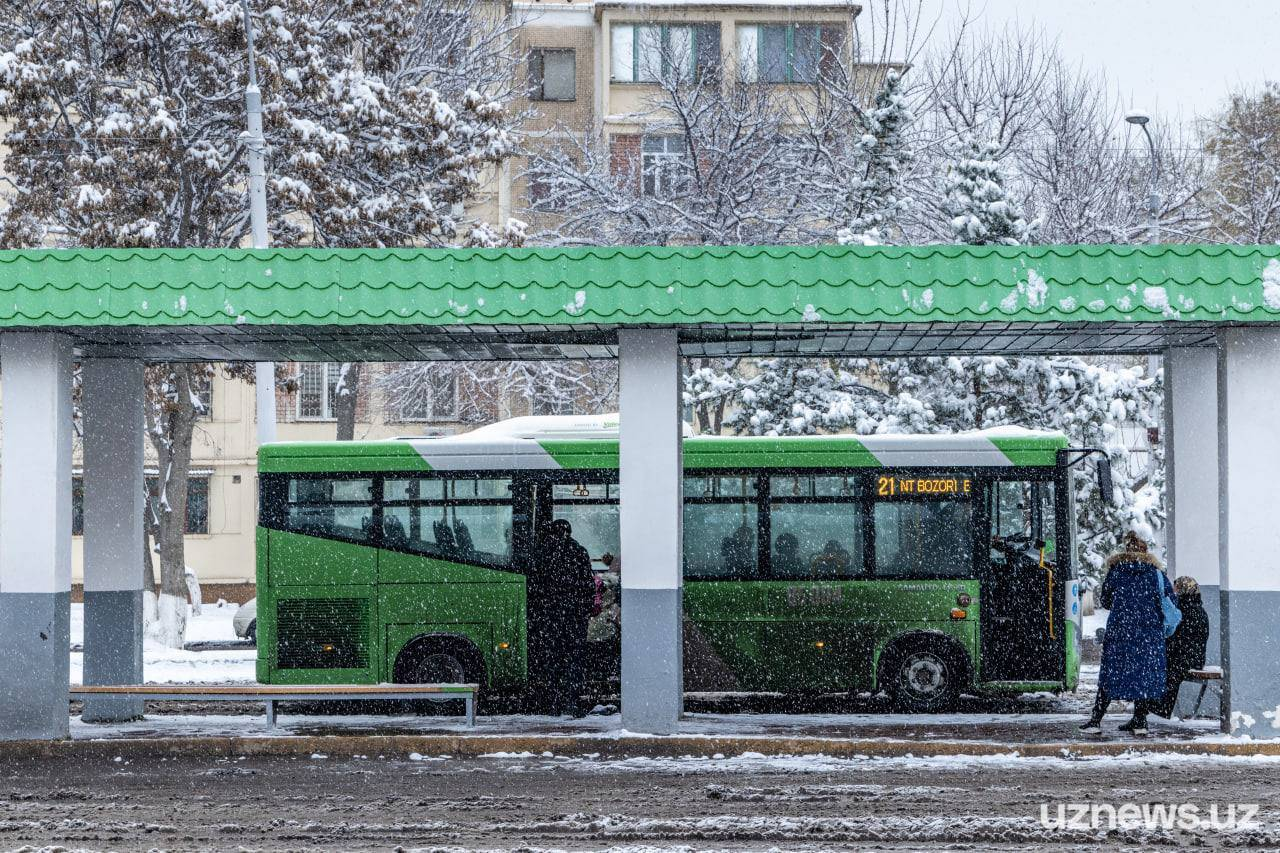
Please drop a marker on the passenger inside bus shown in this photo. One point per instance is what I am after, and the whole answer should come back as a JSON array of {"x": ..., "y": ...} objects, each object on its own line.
[
  {"x": 831, "y": 562},
  {"x": 786, "y": 555},
  {"x": 738, "y": 550}
]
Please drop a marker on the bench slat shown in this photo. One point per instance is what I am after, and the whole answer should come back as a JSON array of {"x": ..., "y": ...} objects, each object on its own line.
[{"x": 300, "y": 690}]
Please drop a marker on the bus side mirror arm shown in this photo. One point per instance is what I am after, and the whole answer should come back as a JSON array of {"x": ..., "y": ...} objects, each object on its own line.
[
  {"x": 1104, "y": 481},
  {"x": 1075, "y": 455}
]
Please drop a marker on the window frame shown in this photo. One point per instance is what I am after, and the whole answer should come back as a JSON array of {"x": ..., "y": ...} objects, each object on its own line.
[
  {"x": 788, "y": 76},
  {"x": 77, "y": 501},
  {"x": 274, "y": 488},
  {"x": 670, "y": 169},
  {"x": 639, "y": 67},
  {"x": 327, "y": 394},
  {"x": 537, "y": 84}
]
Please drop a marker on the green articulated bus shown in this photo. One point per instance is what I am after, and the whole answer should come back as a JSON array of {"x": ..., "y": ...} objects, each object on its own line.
[{"x": 924, "y": 566}]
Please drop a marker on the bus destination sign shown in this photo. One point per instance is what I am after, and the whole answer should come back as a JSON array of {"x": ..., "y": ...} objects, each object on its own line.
[{"x": 895, "y": 486}]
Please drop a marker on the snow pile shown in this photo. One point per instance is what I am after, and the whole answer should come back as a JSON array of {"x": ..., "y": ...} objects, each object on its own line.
[{"x": 1271, "y": 285}]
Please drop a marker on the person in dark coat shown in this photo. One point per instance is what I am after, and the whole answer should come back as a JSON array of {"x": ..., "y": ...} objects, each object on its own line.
[
  {"x": 1185, "y": 649},
  {"x": 1133, "y": 653},
  {"x": 560, "y": 596}
]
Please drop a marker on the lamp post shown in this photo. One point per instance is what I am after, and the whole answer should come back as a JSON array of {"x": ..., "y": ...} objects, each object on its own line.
[
  {"x": 264, "y": 371},
  {"x": 1141, "y": 120}
]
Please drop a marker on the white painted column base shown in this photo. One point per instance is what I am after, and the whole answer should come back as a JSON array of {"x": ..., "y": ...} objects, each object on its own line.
[
  {"x": 35, "y": 536},
  {"x": 651, "y": 513},
  {"x": 1249, "y": 554},
  {"x": 1191, "y": 468}
]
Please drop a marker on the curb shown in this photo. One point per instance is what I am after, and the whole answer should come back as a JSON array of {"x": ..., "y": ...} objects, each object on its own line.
[{"x": 471, "y": 746}]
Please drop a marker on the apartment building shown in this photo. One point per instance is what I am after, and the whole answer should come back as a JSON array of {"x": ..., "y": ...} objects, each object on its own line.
[{"x": 593, "y": 70}]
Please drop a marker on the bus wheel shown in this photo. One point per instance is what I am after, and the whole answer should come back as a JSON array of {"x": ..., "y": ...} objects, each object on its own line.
[
  {"x": 922, "y": 678},
  {"x": 439, "y": 660}
]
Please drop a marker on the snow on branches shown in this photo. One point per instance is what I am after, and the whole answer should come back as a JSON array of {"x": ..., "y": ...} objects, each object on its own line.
[
  {"x": 981, "y": 210},
  {"x": 125, "y": 120}
]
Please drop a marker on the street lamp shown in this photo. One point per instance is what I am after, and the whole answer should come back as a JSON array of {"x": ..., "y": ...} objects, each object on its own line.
[
  {"x": 1141, "y": 119},
  {"x": 264, "y": 371}
]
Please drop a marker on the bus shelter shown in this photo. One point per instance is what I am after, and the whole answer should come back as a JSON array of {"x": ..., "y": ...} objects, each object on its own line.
[{"x": 1213, "y": 312}]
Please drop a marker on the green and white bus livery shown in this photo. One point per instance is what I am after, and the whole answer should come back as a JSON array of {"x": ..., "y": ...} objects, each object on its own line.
[{"x": 920, "y": 565}]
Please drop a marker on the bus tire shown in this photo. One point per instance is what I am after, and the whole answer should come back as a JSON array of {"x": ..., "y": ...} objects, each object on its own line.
[
  {"x": 923, "y": 674},
  {"x": 440, "y": 659}
]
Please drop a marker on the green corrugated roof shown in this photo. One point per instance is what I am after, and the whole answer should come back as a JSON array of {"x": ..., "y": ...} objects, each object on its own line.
[{"x": 612, "y": 286}]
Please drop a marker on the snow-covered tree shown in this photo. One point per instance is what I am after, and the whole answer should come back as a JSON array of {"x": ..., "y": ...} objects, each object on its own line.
[
  {"x": 123, "y": 127},
  {"x": 878, "y": 196},
  {"x": 982, "y": 213},
  {"x": 485, "y": 389},
  {"x": 1245, "y": 189}
]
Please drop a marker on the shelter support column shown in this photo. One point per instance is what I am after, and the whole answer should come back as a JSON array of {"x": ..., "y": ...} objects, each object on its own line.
[
  {"x": 1249, "y": 538},
  {"x": 112, "y": 409},
  {"x": 651, "y": 512},
  {"x": 35, "y": 536},
  {"x": 1191, "y": 466}
]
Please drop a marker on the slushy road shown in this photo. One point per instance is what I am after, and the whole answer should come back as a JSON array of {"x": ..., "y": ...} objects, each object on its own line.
[{"x": 534, "y": 803}]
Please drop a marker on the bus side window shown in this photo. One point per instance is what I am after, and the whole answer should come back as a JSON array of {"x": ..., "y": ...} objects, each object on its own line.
[
  {"x": 466, "y": 519},
  {"x": 721, "y": 522},
  {"x": 1048, "y": 520},
  {"x": 335, "y": 508}
]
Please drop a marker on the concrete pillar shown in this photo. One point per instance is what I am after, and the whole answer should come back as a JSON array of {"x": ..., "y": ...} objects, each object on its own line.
[
  {"x": 35, "y": 535},
  {"x": 1191, "y": 467},
  {"x": 651, "y": 515},
  {"x": 112, "y": 417},
  {"x": 1249, "y": 537}
]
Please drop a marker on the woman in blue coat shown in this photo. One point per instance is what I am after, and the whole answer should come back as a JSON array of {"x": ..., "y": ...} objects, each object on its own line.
[{"x": 1133, "y": 651}]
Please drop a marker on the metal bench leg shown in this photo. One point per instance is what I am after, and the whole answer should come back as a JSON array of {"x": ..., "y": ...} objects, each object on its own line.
[
  {"x": 471, "y": 710},
  {"x": 271, "y": 713},
  {"x": 1195, "y": 711}
]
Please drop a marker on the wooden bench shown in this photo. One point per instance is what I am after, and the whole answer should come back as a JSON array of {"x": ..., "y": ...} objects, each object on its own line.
[
  {"x": 1210, "y": 675},
  {"x": 271, "y": 694}
]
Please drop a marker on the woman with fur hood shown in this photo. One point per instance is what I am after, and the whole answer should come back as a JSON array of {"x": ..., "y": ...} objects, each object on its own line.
[{"x": 1133, "y": 651}]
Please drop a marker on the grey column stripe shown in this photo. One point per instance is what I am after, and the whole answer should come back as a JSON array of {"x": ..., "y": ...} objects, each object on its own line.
[{"x": 35, "y": 665}]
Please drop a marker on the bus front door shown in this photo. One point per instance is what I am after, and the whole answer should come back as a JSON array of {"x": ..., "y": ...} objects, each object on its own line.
[{"x": 1021, "y": 603}]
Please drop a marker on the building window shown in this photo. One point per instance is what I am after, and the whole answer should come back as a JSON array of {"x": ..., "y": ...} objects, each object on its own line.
[
  {"x": 435, "y": 399},
  {"x": 552, "y": 74},
  {"x": 788, "y": 53},
  {"x": 317, "y": 382},
  {"x": 648, "y": 53},
  {"x": 197, "y": 502},
  {"x": 664, "y": 166},
  {"x": 202, "y": 391}
]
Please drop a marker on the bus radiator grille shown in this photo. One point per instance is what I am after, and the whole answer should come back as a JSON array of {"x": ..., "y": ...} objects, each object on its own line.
[{"x": 322, "y": 633}]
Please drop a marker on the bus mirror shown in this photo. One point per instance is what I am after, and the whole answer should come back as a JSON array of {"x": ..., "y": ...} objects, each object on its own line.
[{"x": 1104, "y": 481}]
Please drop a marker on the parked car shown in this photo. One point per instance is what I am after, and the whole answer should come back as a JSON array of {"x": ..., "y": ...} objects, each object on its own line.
[{"x": 245, "y": 622}]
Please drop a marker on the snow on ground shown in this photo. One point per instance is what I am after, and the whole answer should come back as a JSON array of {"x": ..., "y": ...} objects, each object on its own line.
[
  {"x": 1095, "y": 620},
  {"x": 179, "y": 666}
]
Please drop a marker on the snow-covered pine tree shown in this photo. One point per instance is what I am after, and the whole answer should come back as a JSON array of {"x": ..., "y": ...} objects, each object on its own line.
[
  {"x": 877, "y": 195},
  {"x": 980, "y": 208}
]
